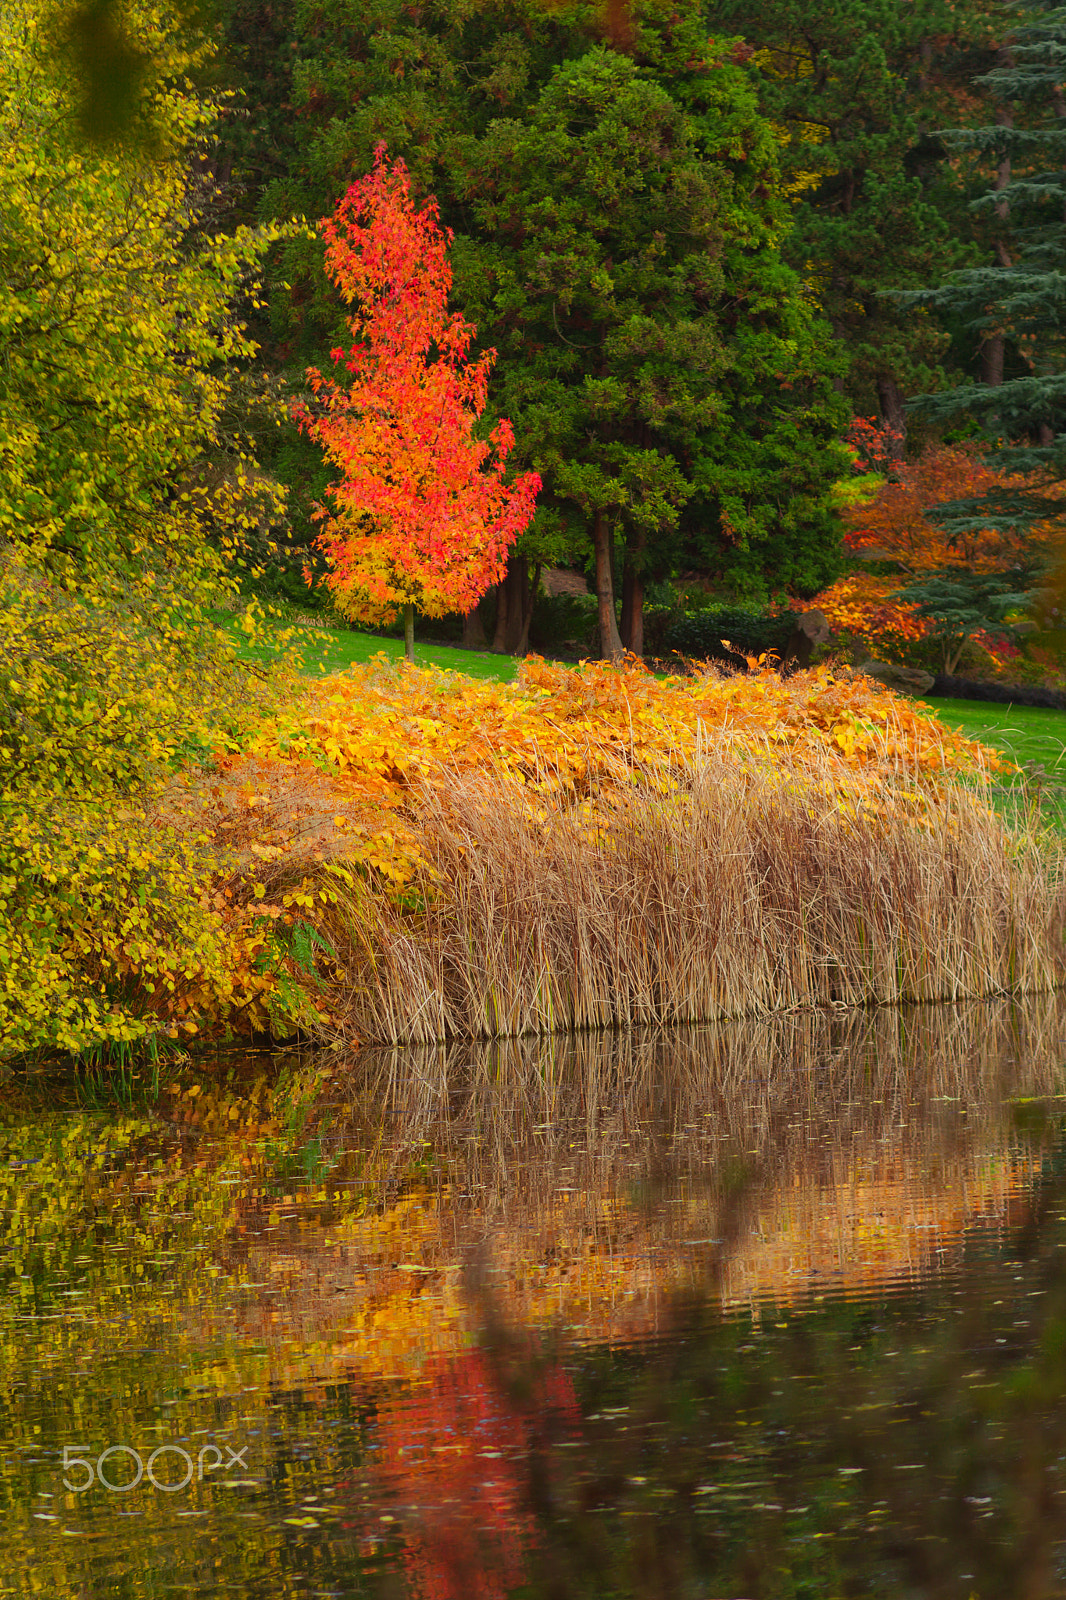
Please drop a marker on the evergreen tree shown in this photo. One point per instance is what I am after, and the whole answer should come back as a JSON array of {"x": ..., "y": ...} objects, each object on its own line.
[
  {"x": 1014, "y": 305},
  {"x": 856, "y": 84},
  {"x": 656, "y": 355}
]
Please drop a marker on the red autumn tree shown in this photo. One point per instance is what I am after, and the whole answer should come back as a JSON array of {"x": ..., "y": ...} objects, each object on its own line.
[
  {"x": 893, "y": 525},
  {"x": 421, "y": 513}
]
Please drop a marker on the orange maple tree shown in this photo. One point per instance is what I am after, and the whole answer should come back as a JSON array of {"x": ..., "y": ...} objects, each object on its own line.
[
  {"x": 422, "y": 514},
  {"x": 894, "y": 526}
]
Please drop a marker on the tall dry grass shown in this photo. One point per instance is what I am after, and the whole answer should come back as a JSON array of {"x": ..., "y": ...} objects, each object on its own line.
[{"x": 736, "y": 890}]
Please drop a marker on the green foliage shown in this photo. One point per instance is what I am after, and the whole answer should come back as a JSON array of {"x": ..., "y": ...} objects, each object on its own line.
[
  {"x": 960, "y": 603},
  {"x": 559, "y": 618},
  {"x": 94, "y": 699},
  {"x": 1014, "y": 304},
  {"x": 122, "y": 497},
  {"x": 285, "y": 560},
  {"x": 116, "y": 326},
  {"x": 701, "y": 634},
  {"x": 669, "y": 270},
  {"x": 296, "y": 945},
  {"x": 852, "y": 84}
]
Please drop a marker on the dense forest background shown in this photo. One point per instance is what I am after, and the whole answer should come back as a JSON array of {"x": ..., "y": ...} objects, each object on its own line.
[{"x": 682, "y": 228}]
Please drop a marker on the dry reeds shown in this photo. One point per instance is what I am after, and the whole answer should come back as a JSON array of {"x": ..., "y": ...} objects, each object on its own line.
[{"x": 739, "y": 889}]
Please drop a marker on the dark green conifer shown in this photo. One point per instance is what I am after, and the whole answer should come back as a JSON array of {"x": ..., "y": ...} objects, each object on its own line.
[
  {"x": 854, "y": 85},
  {"x": 1014, "y": 304}
]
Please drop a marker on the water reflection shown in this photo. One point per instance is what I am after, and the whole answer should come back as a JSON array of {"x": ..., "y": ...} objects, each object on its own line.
[{"x": 774, "y": 1308}]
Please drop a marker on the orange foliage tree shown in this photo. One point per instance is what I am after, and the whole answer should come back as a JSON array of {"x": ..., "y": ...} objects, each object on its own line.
[
  {"x": 422, "y": 515},
  {"x": 894, "y": 526}
]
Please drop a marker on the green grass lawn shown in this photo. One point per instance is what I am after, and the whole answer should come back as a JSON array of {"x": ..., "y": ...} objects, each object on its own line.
[
  {"x": 333, "y": 649},
  {"x": 1025, "y": 733},
  {"x": 1029, "y": 735}
]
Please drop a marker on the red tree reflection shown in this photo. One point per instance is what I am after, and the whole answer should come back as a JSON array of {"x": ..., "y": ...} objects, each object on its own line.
[{"x": 453, "y": 1465}]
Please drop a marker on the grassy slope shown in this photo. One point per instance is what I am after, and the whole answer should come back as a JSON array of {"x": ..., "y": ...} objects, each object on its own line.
[
  {"x": 332, "y": 650},
  {"x": 1025, "y": 733}
]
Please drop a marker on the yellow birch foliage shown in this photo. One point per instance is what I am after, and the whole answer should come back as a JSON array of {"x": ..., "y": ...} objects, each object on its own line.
[
  {"x": 117, "y": 338},
  {"x": 116, "y": 324}
]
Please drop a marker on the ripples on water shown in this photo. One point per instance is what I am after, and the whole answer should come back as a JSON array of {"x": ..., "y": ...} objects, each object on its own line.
[{"x": 764, "y": 1310}]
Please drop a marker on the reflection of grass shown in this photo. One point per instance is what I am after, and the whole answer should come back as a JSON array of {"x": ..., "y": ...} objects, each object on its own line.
[
  {"x": 548, "y": 1162},
  {"x": 876, "y": 1446}
]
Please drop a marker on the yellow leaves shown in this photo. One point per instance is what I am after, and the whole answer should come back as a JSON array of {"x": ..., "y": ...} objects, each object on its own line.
[
  {"x": 300, "y": 898},
  {"x": 115, "y": 669},
  {"x": 266, "y": 852},
  {"x": 100, "y": 892},
  {"x": 326, "y": 806},
  {"x": 561, "y": 734}
]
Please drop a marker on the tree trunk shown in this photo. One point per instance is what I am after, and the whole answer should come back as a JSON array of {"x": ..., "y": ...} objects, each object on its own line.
[
  {"x": 610, "y": 641},
  {"x": 992, "y": 360},
  {"x": 409, "y": 632},
  {"x": 633, "y": 598},
  {"x": 849, "y": 191},
  {"x": 474, "y": 629},
  {"x": 512, "y": 604},
  {"x": 499, "y": 636},
  {"x": 517, "y": 601},
  {"x": 522, "y": 647},
  {"x": 992, "y": 347},
  {"x": 892, "y": 413}
]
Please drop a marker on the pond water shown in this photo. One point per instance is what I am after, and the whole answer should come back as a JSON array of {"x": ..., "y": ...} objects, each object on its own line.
[{"x": 771, "y": 1310}]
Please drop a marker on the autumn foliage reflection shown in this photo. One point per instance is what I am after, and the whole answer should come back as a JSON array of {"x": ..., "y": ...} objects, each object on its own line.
[{"x": 453, "y": 1454}]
